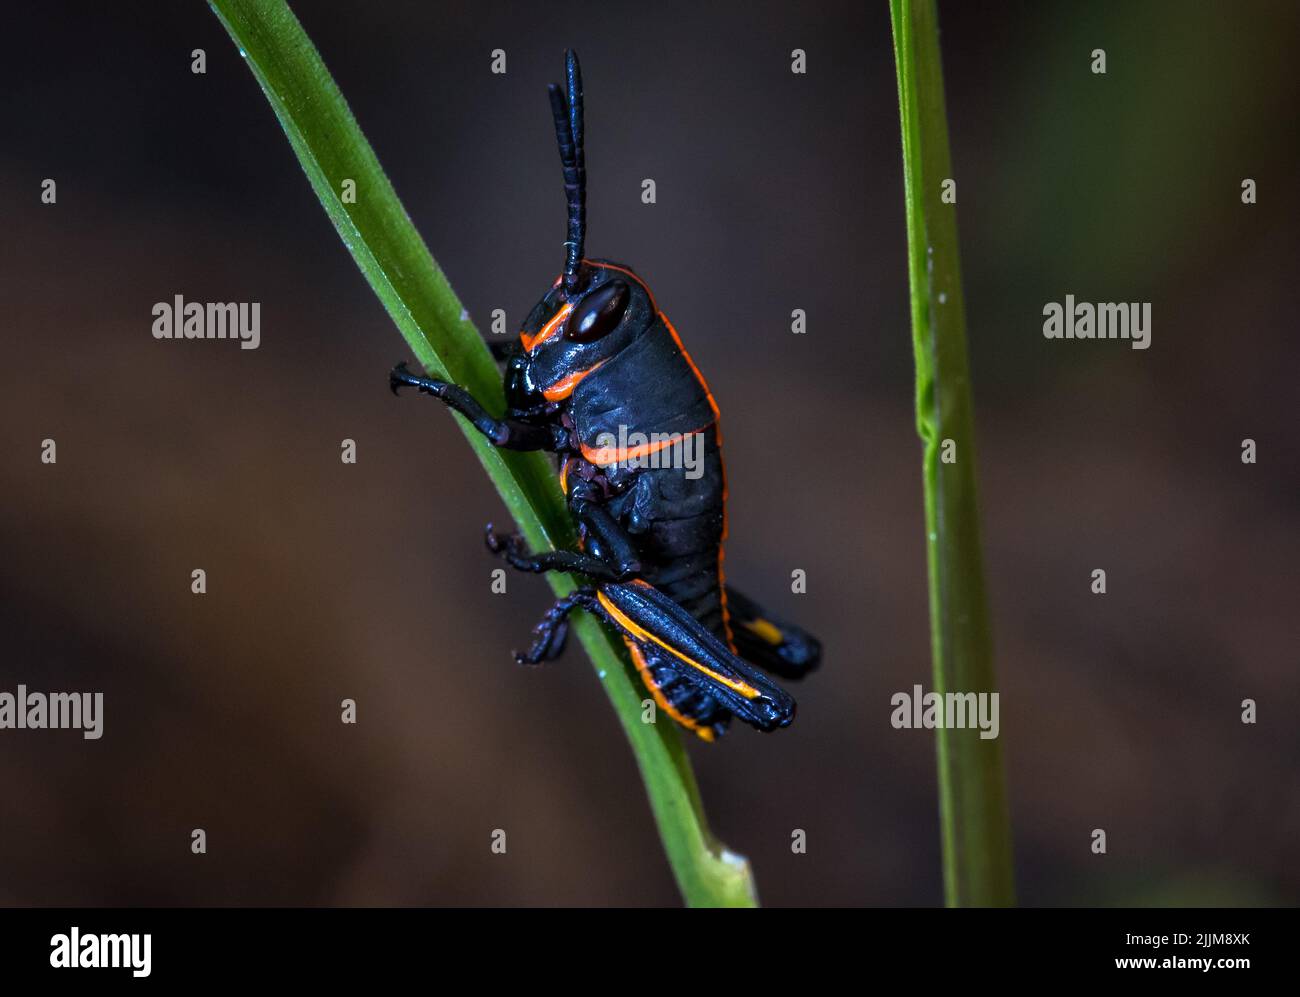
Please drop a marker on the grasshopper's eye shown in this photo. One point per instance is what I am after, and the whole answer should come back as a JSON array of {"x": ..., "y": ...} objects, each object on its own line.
[{"x": 598, "y": 313}]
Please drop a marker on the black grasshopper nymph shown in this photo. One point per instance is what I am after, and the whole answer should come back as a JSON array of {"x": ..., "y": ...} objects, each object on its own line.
[{"x": 600, "y": 378}]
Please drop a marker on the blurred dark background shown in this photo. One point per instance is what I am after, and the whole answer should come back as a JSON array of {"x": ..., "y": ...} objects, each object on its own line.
[{"x": 775, "y": 192}]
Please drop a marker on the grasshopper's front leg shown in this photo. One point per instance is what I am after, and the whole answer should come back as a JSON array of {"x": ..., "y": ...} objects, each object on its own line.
[{"x": 510, "y": 434}]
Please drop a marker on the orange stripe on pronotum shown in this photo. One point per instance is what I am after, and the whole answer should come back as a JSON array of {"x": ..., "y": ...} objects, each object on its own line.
[{"x": 563, "y": 388}]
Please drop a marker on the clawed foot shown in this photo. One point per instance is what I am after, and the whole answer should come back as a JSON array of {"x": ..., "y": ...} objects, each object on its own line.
[
  {"x": 400, "y": 377},
  {"x": 510, "y": 545},
  {"x": 548, "y": 644}
]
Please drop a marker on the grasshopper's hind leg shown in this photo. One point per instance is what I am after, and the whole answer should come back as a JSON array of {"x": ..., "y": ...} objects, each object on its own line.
[
  {"x": 691, "y": 707},
  {"x": 677, "y": 648}
]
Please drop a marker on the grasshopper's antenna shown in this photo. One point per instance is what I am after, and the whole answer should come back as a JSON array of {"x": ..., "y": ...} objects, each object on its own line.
[{"x": 566, "y": 107}]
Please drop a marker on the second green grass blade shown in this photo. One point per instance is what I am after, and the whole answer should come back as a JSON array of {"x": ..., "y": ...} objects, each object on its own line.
[{"x": 976, "y": 834}]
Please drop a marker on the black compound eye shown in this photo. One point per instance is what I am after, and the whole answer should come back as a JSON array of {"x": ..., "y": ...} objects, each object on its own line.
[{"x": 598, "y": 313}]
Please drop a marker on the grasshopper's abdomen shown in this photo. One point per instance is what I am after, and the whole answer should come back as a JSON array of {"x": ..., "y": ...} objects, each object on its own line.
[{"x": 679, "y": 523}]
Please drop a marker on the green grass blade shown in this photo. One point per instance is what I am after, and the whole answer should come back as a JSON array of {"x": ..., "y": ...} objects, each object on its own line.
[
  {"x": 976, "y": 834},
  {"x": 398, "y": 266}
]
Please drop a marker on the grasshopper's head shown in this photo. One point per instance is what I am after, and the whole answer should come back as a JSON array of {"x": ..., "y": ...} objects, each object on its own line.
[{"x": 565, "y": 338}]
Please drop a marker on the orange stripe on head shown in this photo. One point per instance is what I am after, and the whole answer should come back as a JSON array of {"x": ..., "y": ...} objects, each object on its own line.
[
  {"x": 548, "y": 331},
  {"x": 563, "y": 388},
  {"x": 744, "y": 688}
]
